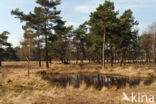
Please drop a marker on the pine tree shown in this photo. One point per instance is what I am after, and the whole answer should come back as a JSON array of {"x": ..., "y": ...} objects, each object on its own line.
[
  {"x": 43, "y": 20},
  {"x": 50, "y": 17},
  {"x": 60, "y": 42},
  {"x": 80, "y": 38},
  {"x": 128, "y": 34},
  {"x": 102, "y": 23},
  {"x": 4, "y": 45}
]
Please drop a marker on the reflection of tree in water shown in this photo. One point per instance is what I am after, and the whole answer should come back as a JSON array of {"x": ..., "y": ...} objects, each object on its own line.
[
  {"x": 148, "y": 82},
  {"x": 119, "y": 82},
  {"x": 75, "y": 81},
  {"x": 133, "y": 83},
  {"x": 97, "y": 81}
]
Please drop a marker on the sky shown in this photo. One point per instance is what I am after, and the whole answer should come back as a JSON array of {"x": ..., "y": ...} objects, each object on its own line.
[{"x": 75, "y": 12}]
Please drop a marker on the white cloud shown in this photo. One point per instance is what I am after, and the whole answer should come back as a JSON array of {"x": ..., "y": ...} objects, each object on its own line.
[
  {"x": 75, "y": 24},
  {"x": 15, "y": 41}
]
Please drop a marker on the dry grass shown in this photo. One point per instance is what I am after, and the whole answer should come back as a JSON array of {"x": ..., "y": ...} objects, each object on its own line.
[
  {"x": 135, "y": 70},
  {"x": 16, "y": 88}
]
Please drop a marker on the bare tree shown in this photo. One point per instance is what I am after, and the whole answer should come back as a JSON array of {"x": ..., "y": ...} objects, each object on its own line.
[{"x": 27, "y": 56}]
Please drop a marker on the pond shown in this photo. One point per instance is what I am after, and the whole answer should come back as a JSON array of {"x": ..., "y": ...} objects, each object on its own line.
[{"x": 97, "y": 81}]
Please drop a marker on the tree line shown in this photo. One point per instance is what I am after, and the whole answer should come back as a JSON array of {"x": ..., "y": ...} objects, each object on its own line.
[{"x": 105, "y": 37}]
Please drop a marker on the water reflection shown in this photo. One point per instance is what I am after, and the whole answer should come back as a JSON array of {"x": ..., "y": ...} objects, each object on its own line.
[{"x": 97, "y": 81}]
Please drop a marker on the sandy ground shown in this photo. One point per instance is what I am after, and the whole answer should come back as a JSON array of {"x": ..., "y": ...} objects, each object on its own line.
[{"x": 16, "y": 88}]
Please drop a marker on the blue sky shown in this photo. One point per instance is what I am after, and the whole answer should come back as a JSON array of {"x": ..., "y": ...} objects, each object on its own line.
[{"x": 74, "y": 12}]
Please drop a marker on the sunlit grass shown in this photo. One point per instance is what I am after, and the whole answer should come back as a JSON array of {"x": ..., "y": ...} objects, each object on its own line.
[{"x": 16, "y": 88}]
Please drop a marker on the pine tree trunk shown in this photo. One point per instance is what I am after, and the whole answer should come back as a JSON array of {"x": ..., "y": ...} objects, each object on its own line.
[
  {"x": 76, "y": 61},
  {"x": 46, "y": 48},
  {"x": 125, "y": 61},
  {"x": 39, "y": 61},
  {"x": 115, "y": 57},
  {"x": 0, "y": 63},
  {"x": 50, "y": 60},
  {"x": 122, "y": 60},
  {"x": 83, "y": 51},
  {"x": 146, "y": 58},
  {"x": 103, "y": 51},
  {"x": 46, "y": 40},
  {"x": 112, "y": 57},
  {"x": 28, "y": 65},
  {"x": 67, "y": 60},
  {"x": 82, "y": 60},
  {"x": 77, "y": 56},
  {"x": 39, "y": 56},
  {"x": 46, "y": 45},
  {"x": 149, "y": 58},
  {"x": 98, "y": 60},
  {"x": 89, "y": 60},
  {"x": 62, "y": 60}
]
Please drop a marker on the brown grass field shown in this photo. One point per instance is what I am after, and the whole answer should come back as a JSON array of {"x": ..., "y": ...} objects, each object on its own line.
[{"x": 16, "y": 88}]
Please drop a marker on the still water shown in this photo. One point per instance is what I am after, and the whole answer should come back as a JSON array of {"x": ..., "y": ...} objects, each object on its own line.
[{"x": 97, "y": 81}]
